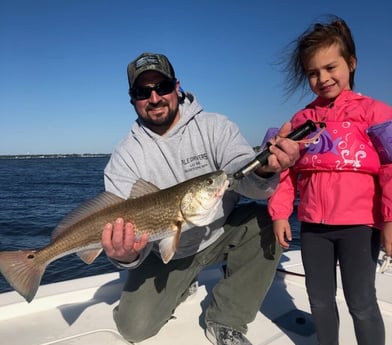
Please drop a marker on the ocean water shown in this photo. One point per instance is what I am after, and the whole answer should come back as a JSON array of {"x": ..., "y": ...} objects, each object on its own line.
[{"x": 36, "y": 193}]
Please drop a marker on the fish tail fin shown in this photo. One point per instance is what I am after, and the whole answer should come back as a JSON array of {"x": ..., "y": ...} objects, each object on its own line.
[{"x": 22, "y": 271}]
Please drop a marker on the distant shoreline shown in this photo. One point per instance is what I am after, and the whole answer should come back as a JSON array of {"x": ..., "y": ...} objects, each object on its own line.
[
  {"x": 55, "y": 155},
  {"x": 70, "y": 155}
]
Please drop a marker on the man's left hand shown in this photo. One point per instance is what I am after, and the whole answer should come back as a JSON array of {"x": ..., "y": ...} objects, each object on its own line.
[{"x": 284, "y": 152}]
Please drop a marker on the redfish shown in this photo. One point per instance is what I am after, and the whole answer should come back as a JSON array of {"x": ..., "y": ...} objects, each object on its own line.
[{"x": 163, "y": 214}]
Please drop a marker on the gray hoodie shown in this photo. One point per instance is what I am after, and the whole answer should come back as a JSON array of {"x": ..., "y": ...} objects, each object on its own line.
[{"x": 199, "y": 143}]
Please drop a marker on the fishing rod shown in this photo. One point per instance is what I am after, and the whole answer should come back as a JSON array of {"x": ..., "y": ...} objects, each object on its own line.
[{"x": 262, "y": 158}]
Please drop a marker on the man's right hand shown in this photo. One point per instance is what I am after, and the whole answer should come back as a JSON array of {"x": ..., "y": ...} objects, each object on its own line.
[{"x": 119, "y": 242}]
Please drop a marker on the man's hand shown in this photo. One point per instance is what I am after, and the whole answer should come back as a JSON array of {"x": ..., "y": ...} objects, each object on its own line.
[
  {"x": 284, "y": 152},
  {"x": 119, "y": 242}
]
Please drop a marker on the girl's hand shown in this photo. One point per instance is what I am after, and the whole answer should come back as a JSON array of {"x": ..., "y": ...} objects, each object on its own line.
[
  {"x": 282, "y": 231},
  {"x": 386, "y": 238}
]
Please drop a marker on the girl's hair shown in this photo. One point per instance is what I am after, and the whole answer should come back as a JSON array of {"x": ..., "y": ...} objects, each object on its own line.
[{"x": 304, "y": 47}]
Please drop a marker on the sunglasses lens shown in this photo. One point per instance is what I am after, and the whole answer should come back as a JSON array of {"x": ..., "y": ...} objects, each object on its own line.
[
  {"x": 163, "y": 88},
  {"x": 140, "y": 93}
]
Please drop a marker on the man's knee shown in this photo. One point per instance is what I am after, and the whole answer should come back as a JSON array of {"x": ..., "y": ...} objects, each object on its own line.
[{"x": 135, "y": 328}]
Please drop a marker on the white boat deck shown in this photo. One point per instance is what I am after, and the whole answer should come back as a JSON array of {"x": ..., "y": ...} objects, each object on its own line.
[{"x": 79, "y": 312}]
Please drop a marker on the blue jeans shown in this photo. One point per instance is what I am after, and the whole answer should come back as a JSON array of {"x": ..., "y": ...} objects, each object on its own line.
[
  {"x": 356, "y": 248},
  {"x": 154, "y": 289}
]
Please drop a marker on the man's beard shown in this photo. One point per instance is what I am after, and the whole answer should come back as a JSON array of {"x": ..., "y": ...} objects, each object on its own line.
[{"x": 163, "y": 123}]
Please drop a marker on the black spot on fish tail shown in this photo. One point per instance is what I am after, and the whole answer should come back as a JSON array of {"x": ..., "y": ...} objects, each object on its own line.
[{"x": 22, "y": 271}]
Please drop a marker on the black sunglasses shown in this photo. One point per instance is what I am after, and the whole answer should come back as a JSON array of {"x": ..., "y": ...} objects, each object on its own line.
[{"x": 163, "y": 88}]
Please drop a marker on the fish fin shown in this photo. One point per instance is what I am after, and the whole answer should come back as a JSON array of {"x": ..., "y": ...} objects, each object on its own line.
[
  {"x": 142, "y": 187},
  {"x": 166, "y": 249},
  {"x": 88, "y": 256},
  {"x": 169, "y": 245},
  {"x": 22, "y": 271},
  {"x": 86, "y": 209}
]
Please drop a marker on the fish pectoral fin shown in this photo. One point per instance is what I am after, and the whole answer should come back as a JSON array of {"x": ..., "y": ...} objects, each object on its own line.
[
  {"x": 88, "y": 256},
  {"x": 169, "y": 245},
  {"x": 166, "y": 249}
]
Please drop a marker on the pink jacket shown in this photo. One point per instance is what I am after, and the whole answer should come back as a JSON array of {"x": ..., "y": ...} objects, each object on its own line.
[{"x": 339, "y": 177}]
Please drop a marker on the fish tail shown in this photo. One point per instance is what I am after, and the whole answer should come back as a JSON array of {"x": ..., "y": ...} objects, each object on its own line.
[{"x": 22, "y": 271}]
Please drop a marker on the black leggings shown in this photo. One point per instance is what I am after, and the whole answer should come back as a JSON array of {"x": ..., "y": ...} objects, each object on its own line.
[{"x": 356, "y": 248}]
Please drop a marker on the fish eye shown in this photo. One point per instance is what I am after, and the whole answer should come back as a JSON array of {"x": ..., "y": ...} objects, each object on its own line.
[{"x": 210, "y": 181}]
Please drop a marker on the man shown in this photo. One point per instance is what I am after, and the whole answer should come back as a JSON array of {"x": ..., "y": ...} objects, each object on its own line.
[{"x": 173, "y": 140}]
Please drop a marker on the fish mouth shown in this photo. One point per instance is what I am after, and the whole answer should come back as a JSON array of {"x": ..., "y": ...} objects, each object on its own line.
[
  {"x": 231, "y": 181},
  {"x": 225, "y": 186}
]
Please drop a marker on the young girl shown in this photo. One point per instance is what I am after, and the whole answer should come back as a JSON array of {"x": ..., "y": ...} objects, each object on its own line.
[{"x": 345, "y": 192}]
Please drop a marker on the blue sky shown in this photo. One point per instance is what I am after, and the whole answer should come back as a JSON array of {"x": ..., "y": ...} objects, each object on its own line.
[{"x": 63, "y": 84}]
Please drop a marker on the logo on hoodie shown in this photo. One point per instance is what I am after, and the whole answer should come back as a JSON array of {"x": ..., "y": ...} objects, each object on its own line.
[{"x": 195, "y": 162}]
